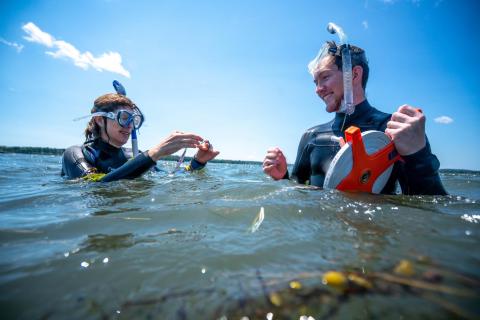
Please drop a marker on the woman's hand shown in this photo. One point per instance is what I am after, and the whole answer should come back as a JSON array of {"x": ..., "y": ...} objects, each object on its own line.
[
  {"x": 205, "y": 152},
  {"x": 175, "y": 141}
]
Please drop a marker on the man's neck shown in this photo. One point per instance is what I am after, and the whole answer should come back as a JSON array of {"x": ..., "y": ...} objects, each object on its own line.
[{"x": 358, "y": 96}]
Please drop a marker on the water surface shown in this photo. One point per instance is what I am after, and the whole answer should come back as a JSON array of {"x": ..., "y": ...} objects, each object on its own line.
[{"x": 182, "y": 247}]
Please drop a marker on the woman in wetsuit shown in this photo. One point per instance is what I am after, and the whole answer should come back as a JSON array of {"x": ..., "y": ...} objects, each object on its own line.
[{"x": 113, "y": 117}]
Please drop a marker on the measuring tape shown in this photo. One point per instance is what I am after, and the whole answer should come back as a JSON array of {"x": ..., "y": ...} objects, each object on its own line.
[{"x": 364, "y": 162}]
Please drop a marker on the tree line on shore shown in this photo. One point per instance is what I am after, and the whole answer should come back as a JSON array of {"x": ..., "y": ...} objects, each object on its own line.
[{"x": 59, "y": 152}]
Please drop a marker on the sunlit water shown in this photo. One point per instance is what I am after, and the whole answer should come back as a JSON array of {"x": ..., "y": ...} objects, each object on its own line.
[{"x": 182, "y": 247}]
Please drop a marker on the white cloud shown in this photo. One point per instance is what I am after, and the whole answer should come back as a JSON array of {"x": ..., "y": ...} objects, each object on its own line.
[
  {"x": 37, "y": 35},
  {"x": 15, "y": 45},
  {"x": 444, "y": 120},
  {"x": 365, "y": 24},
  {"x": 110, "y": 61}
]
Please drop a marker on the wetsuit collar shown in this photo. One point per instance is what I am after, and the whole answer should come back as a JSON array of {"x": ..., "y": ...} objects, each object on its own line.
[
  {"x": 99, "y": 144},
  {"x": 360, "y": 110}
]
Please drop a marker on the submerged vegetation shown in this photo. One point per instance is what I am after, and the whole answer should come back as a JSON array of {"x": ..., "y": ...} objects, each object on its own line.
[{"x": 322, "y": 295}]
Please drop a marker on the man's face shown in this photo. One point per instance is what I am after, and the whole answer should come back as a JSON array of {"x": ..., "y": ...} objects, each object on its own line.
[{"x": 329, "y": 84}]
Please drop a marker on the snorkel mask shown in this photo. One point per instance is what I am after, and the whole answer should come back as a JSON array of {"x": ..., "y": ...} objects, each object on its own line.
[
  {"x": 123, "y": 117},
  {"x": 347, "y": 102}
]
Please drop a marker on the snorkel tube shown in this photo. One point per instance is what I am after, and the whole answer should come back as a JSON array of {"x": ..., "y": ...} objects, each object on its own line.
[
  {"x": 120, "y": 89},
  {"x": 347, "y": 104}
]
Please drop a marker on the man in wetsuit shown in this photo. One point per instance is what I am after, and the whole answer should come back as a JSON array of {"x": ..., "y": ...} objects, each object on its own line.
[
  {"x": 113, "y": 118},
  {"x": 417, "y": 174}
]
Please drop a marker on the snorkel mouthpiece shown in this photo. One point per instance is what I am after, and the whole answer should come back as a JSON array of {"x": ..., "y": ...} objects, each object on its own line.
[
  {"x": 347, "y": 103},
  {"x": 120, "y": 89}
]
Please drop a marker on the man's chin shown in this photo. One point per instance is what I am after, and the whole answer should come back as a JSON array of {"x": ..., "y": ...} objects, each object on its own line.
[{"x": 332, "y": 108}]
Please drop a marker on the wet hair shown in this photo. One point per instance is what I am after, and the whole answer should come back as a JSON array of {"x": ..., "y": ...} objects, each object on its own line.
[
  {"x": 106, "y": 103},
  {"x": 358, "y": 58}
]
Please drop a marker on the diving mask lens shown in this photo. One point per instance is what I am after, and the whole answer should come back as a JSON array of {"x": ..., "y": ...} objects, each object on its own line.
[{"x": 124, "y": 119}]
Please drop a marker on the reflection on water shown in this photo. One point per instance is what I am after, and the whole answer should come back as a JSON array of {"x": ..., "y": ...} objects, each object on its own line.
[{"x": 176, "y": 247}]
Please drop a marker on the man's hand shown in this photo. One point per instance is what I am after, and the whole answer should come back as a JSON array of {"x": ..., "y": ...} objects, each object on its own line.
[
  {"x": 175, "y": 141},
  {"x": 206, "y": 152},
  {"x": 406, "y": 128},
  {"x": 275, "y": 164}
]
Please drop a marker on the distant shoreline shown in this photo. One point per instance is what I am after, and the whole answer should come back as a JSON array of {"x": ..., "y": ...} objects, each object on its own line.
[{"x": 59, "y": 152}]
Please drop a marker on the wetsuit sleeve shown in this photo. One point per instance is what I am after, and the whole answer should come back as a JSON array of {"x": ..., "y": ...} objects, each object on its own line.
[
  {"x": 301, "y": 171},
  {"x": 419, "y": 174},
  {"x": 131, "y": 169},
  {"x": 195, "y": 165},
  {"x": 74, "y": 164}
]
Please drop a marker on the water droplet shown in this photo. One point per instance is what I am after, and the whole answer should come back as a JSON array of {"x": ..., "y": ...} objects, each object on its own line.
[
  {"x": 66, "y": 254},
  {"x": 105, "y": 260},
  {"x": 299, "y": 210},
  {"x": 84, "y": 264},
  {"x": 118, "y": 311},
  {"x": 468, "y": 232},
  {"x": 153, "y": 199},
  {"x": 394, "y": 208},
  {"x": 269, "y": 316},
  {"x": 204, "y": 270}
]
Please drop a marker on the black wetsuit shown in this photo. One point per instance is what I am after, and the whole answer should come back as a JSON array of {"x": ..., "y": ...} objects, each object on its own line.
[
  {"x": 418, "y": 174},
  {"x": 100, "y": 157}
]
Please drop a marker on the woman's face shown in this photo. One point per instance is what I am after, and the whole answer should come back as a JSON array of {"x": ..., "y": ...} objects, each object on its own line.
[{"x": 115, "y": 134}]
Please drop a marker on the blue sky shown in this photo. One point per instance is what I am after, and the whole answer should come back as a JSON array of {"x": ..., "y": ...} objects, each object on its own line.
[{"x": 234, "y": 72}]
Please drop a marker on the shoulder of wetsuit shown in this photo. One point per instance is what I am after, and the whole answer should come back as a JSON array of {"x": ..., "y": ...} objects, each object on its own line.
[
  {"x": 324, "y": 130},
  {"x": 378, "y": 118},
  {"x": 90, "y": 153},
  {"x": 321, "y": 128},
  {"x": 74, "y": 163}
]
